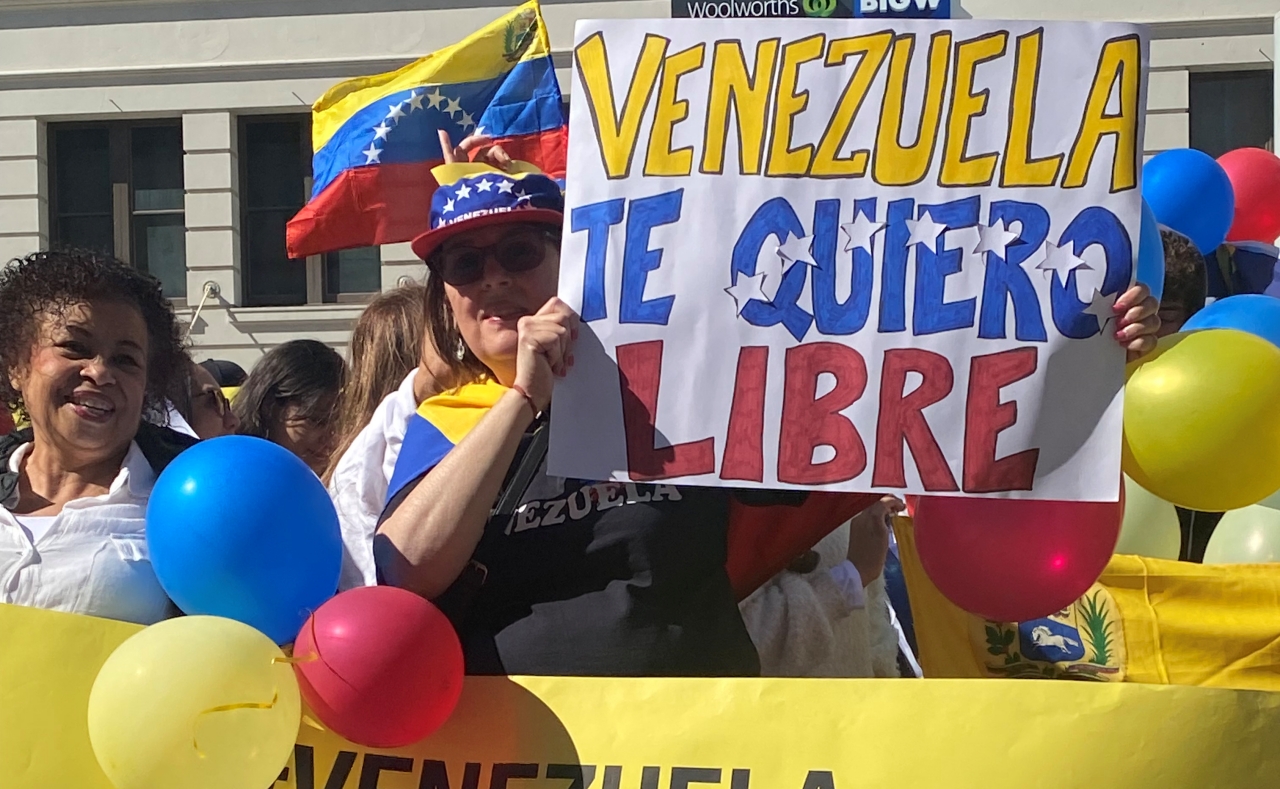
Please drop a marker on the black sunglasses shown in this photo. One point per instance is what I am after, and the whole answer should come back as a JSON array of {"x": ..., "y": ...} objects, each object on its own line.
[{"x": 522, "y": 250}]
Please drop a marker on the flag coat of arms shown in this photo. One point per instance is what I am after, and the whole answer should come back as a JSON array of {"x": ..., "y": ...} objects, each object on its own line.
[{"x": 376, "y": 138}]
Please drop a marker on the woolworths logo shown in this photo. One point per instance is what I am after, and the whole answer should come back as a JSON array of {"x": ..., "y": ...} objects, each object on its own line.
[{"x": 821, "y": 8}]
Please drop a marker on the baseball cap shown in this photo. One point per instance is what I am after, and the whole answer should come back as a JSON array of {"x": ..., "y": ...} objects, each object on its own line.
[{"x": 472, "y": 195}]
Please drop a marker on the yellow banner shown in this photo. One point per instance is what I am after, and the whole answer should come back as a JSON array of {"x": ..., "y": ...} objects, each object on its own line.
[{"x": 557, "y": 733}]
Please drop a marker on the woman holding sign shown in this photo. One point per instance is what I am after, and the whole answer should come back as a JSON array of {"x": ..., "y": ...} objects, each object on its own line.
[{"x": 544, "y": 575}]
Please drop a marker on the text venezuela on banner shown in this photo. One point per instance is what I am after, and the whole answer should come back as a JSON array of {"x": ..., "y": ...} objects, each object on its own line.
[
  {"x": 377, "y": 138},
  {"x": 855, "y": 255}
]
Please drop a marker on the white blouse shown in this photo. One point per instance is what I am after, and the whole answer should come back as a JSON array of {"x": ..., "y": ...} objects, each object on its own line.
[
  {"x": 93, "y": 558},
  {"x": 359, "y": 483}
]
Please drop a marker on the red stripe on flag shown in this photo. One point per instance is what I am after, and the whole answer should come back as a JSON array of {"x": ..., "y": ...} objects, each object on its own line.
[{"x": 390, "y": 203}]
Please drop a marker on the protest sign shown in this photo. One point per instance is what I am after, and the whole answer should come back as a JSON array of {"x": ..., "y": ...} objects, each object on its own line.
[
  {"x": 610, "y": 733},
  {"x": 851, "y": 254}
]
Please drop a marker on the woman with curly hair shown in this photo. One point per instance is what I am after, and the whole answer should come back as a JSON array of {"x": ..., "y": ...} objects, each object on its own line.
[{"x": 87, "y": 347}]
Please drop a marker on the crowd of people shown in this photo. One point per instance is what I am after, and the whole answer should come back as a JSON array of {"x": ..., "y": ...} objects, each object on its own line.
[{"x": 431, "y": 439}]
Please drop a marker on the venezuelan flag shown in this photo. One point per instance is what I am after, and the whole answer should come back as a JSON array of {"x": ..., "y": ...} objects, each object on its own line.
[
  {"x": 377, "y": 138},
  {"x": 441, "y": 422}
]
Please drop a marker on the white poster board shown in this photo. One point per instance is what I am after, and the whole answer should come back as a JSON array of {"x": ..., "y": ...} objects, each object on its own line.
[{"x": 851, "y": 255}]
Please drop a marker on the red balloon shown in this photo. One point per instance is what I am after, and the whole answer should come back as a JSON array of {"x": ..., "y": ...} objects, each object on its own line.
[
  {"x": 387, "y": 668},
  {"x": 1015, "y": 560},
  {"x": 1255, "y": 176}
]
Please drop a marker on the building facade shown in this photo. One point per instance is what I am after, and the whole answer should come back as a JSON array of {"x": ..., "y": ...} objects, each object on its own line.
[{"x": 176, "y": 133}]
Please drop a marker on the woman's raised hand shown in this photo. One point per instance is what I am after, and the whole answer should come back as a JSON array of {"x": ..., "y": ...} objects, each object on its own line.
[{"x": 545, "y": 349}]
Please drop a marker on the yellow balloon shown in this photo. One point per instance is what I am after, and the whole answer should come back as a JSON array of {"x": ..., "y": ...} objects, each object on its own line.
[
  {"x": 1247, "y": 536},
  {"x": 1202, "y": 420},
  {"x": 1150, "y": 525},
  {"x": 197, "y": 702}
]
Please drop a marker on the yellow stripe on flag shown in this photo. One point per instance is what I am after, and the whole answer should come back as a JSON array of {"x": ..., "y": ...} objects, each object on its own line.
[
  {"x": 483, "y": 55},
  {"x": 455, "y": 413}
]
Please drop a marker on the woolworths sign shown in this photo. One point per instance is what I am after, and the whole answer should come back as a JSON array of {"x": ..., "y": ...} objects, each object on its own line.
[{"x": 820, "y": 9}]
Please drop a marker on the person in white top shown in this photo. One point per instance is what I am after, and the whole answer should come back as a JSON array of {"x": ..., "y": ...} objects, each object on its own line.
[
  {"x": 388, "y": 345},
  {"x": 86, "y": 345}
]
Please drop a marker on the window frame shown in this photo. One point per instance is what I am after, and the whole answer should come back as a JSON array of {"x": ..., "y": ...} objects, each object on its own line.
[
  {"x": 317, "y": 291},
  {"x": 120, "y": 174}
]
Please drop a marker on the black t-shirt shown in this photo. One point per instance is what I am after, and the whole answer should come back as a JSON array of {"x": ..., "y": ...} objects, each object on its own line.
[{"x": 603, "y": 579}]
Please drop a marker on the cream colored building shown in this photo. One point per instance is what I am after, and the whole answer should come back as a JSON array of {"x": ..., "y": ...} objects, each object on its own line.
[{"x": 175, "y": 132}]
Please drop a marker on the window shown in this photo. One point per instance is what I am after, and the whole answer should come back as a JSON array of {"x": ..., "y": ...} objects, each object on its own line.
[
  {"x": 117, "y": 188},
  {"x": 1231, "y": 109},
  {"x": 275, "y": 161}
]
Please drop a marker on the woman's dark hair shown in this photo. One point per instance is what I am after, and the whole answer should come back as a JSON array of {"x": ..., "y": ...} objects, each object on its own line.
[
  {"x": 1185, "y": 282},
  {"x": 49, "y": 283},
  {"x": 303, "y": 373},
  {"x": 443, "y": 329}
]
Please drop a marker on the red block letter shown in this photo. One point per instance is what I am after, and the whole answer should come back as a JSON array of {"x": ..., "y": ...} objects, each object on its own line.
[
  {"x": 744, "y": 445},
  {"x": 986, "y": 416},
  {"x": 640, "y": 373},
  {"x": 902, "y": 418},
  {"x": 809, "y": 421}
]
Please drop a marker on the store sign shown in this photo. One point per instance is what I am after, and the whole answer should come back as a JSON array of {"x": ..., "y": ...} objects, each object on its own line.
[
  {"x": 903, "y": 9},
  {"x": 817, "y": 9},
  {"x": 761, "y": 9}
]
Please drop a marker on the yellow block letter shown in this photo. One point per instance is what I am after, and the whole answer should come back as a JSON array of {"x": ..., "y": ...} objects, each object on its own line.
[
  {"x": 616, "y": 134},
  {"x": 750, "y": 97},
  {"x": 1019, "y": 168},
  {"x": 661, "y": 160},
  {"x": 896, "y": 165},
  {"x": 783, "y": 159},
  {"x": 1121, "y": 61},
  {"x": 957, "y": 169},
  {"x": 873, "y": 49}
]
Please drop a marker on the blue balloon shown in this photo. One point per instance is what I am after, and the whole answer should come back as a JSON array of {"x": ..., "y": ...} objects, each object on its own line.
[
  {"x": 239, "y": 527},
  {"x": 1151, "y": 253},
  {"x": 1191, "y": 193},
  {"x": 1252, "y": 312}
]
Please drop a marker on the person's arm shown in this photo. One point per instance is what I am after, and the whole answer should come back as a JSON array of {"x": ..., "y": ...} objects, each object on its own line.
[
  {"x": 427, "y": 541},
  {"x": 430, "y": 537}
]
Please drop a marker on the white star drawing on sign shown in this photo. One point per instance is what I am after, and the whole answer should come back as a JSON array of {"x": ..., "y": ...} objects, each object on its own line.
[
  {"x": 925, "y": 231},
  {"x": 484, "y": 186},
  {"x": 381, "y": 131},
  {"x": 995, "y": 238},
  {"x": 860, "y": 231},
  {"x": 504, "y": 187},
  {"x": 748, "y": 288},
  {"x": 415, "y": 101},
  {"x": 371, "y": 155},
  {"x": 452, "y": 107},
  {"x": 467, "y": 121},
  {"x": 770, "y": 267},
  {"x": 448, "y": 206},
  {"x": 796, "y": 249},
  {"x": 435, "y": 98},
  {"x": 395, "y": 112},
  {"x": 1102, "y": 308},
  {"x": 1060, "y": 261},
  {"x": 464, "y": 192}
]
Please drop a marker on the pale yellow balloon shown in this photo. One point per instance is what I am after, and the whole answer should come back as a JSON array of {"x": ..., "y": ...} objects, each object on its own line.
[
  {"x": 196, "y": 702},
  {"x": 1201, "y": 422},
  {"x": 1150, "y": 525},
  {"x": 1246, "y": 536}
]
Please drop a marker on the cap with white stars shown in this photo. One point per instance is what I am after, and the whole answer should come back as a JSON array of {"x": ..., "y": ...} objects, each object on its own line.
[{"x": 470, "y": 196}]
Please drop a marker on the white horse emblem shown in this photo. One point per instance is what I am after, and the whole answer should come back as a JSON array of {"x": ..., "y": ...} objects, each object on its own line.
[{"x": 1044, "y": 637}]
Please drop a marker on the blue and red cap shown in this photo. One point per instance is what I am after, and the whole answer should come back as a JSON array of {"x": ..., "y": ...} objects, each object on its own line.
[{"x": 471, "y": 196}]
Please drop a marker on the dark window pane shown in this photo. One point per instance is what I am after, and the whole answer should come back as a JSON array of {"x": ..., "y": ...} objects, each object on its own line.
[
  {"x": 353, "y": 271},
  {"x": 86, "y": 232},
  {"x": 157, "y": 168},
  {"x": 273, "y": 279},
  {"x": 1231, "y": 110},
  {"x": 273, "y": 165},
  {"x": 160, "y": 248},
  {"x": 83, "y": 171}
]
